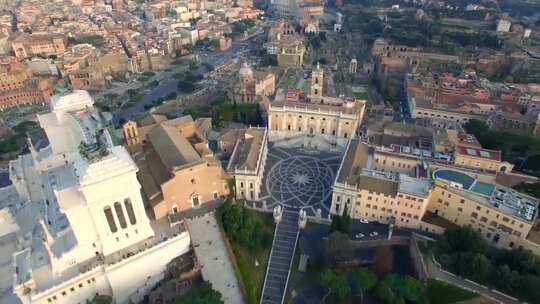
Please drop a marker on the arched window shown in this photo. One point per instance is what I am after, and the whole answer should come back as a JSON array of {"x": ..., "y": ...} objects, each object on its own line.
[
  {"x": 110, "y": 219},
  {"x": 120, "y": 215},
  {"x": 130, "y": 212}
]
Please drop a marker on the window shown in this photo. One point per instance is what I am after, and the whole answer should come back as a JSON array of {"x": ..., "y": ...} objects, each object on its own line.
[
  {"x": 120, "y": 215},
  {"x": 130, "y": 212},
  {"x": 215, "y": 194},
  {"x": 474, "y": 215},
  {"x": 110, "y": 219},
  {"x": 175, "y": 209},
  {"x": 195, "y": 201}
]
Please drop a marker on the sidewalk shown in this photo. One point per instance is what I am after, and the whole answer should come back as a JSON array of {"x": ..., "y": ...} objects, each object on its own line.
[
  {"x": 212, "y": 254},
  {"x": 435, "y": 272}
]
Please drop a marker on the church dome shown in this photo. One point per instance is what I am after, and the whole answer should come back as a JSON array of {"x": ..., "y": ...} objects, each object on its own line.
[{"x": 246, "y": 73}]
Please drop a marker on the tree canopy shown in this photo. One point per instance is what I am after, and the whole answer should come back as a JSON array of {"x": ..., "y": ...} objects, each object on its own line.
[
  {"x": 201, "y": 294},
  {"x": 364, "y": 278},
  {"x": 337, "y": 283},
  {"x": 242, "y": 225}
]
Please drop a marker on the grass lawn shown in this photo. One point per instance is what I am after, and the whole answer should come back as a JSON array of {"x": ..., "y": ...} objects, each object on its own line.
[
  {"x": 438, "y": 292},
  {"x": 252, "y": 278}
]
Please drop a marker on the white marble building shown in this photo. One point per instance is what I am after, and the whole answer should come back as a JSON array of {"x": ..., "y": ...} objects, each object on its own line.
[{"x": 82, "y": 225}]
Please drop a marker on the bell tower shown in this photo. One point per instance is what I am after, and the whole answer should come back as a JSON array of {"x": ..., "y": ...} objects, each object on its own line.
[{"x": 317, "y": 81}]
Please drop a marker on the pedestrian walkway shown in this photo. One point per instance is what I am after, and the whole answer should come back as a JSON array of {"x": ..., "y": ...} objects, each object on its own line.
[
  {"x": 281, "y": 256},
  {"x": 211, "y": 252}
]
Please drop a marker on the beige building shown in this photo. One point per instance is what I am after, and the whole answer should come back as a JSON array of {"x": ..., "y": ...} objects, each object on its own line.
[
  {"x": 251, "y": 84},
  {"x": 375, "y": 195},
  {"x": 502, "y": 215},
  {"x": 177, "y": 170},
  {"x": 387, "y": 187},
  {"x": 247, "y": 163},
  {"x": 28, "y": 45},
  {"x": 480, "y": 158},
  {"x": 336, "y": 119},
  {"x": 286, "y": 44}
]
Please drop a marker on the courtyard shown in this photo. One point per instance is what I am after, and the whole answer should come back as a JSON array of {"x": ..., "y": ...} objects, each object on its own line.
[{"x": 300, "y": 178}]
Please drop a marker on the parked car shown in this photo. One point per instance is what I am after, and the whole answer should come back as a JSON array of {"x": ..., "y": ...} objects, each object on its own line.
[
  {"x": 374, "y": 233},
  {"x": 363, "y": 221}
]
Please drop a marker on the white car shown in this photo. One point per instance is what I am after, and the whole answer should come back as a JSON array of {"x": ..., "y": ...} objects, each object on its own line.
[
  {"x": 359, "y": 235},
  {"x": 374, "y": 233},
  {"x": 363, "y": 221}
]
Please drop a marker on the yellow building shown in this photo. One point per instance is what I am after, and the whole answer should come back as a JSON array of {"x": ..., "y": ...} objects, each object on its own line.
[
  {"x": 374, "y": 195},
  {"x": 379, "y": 186},
  {"x": 502, "y": 215},
  {"x": 478, "y": 158}
]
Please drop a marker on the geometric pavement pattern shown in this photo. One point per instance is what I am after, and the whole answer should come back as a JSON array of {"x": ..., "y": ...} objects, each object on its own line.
[
  {"x": 299, "y": 179},
  {"x": 295, "y": 179}
]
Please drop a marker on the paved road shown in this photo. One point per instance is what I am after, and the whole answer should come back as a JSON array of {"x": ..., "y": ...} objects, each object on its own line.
[
  {"x": 169, "y": 84},
  {"x": 436, "y": 273},
  {"x": 213, "y": 255}
]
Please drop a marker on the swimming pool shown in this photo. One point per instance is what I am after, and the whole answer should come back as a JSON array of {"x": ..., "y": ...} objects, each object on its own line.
[
  {"x": 483, "y": 188},
  {"x": 465, "y": 180}
]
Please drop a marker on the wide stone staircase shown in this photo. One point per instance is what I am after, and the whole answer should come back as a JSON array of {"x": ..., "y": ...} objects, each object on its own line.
[{"x": 281, "y": 257}]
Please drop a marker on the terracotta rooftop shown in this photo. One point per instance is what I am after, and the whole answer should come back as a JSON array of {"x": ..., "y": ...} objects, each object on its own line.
[{"x": 247, "y": 150}]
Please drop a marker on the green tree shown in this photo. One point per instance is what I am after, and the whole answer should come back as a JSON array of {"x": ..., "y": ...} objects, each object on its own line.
[
  {"x": 384, "y": 293},
  {"x": 410, "y": 289},
  {"x": 506, "y": 279},
  {"x": 101, "y": 299},
  {"x": 337, "y": 247},
  {"x": 337, "y": 283},
  {"x": 462, "y": 239},
  {"x": 202, "y": 294},
  {"x": 242, "y": 225},
  {"x": 399, "y": 289},
  {"x": 364, "y": 278}
]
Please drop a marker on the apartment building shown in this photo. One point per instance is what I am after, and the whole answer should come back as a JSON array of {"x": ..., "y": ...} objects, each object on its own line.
[
  {"x": 375, "y": 195},
  {"x": 39, "y": 44},
  {"x": 427, "y": 195},
  {"x": 502, "y": 215},
  {"x": 480, "y": 158}
]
